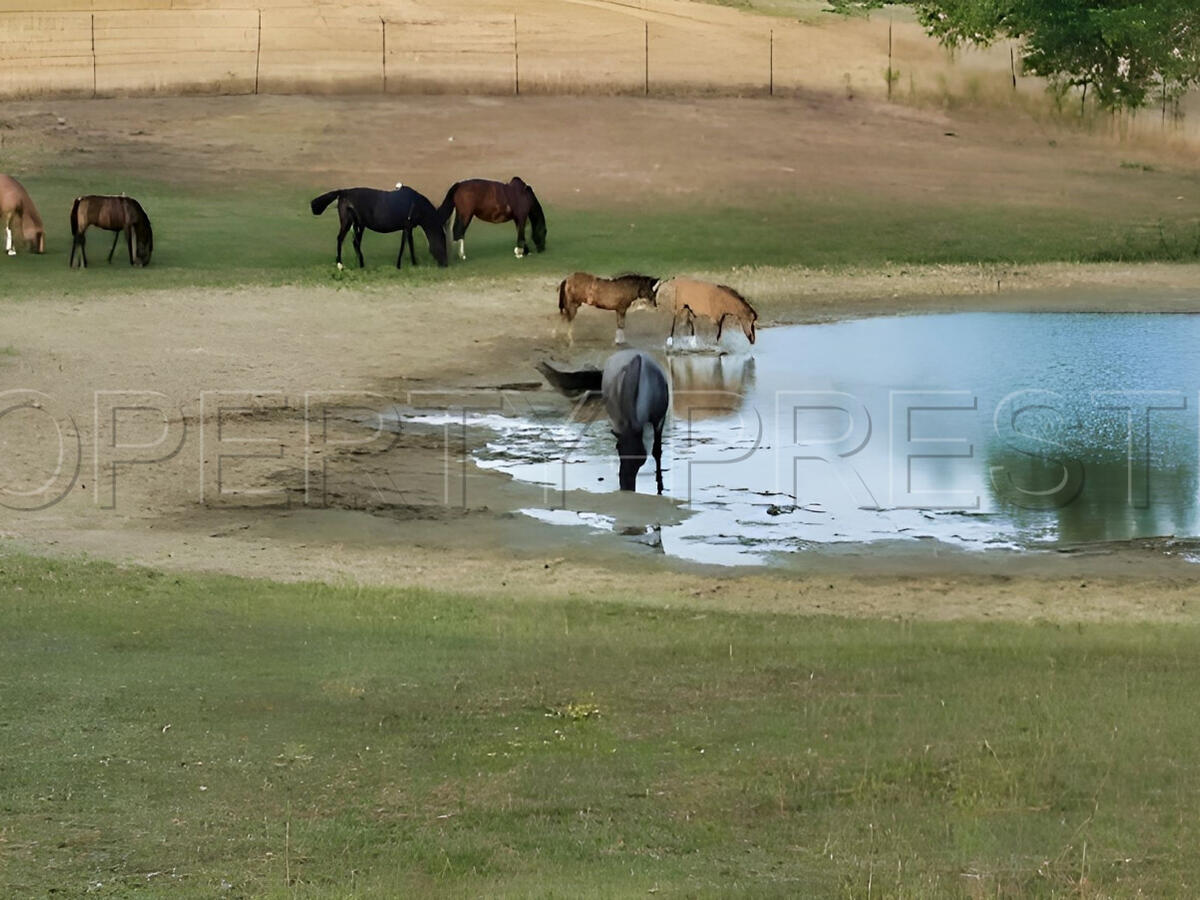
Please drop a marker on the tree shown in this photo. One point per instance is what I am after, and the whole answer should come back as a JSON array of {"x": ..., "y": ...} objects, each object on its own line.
[{"x": 1126, "y": 51}]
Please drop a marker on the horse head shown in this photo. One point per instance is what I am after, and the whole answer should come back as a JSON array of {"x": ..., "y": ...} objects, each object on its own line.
[
  {"x": 35, "y": 237},
  {"x": 631, "y": 449}
]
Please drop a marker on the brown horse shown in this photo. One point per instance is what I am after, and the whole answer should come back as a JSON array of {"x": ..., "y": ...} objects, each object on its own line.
[
  {"x": 617, "y": 294},
  {"x": 713, "y": 301},
  {"x": 17, "y": 209},
  {"x": 495, "y": 202},
  {"x": 124, "y": 215}
]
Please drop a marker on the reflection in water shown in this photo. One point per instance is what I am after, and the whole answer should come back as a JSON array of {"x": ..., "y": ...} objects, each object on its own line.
[
  {"x": 979, "y": 430},
  {"x": 705, "y": 387}
]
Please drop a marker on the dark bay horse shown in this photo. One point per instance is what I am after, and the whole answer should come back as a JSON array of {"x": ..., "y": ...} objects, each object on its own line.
[
  {"x": 18, "y": 211},
  {"x": 385, "y": 211},
  {"x": 494, "y": 201},
  {"x": 635, "y": 393},
  {"x": 124, "y": 215},
  {"x": 617, "y": 294}
]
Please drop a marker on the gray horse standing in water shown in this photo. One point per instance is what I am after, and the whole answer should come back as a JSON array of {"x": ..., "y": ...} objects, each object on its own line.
[{"x": 635, "y": 393}]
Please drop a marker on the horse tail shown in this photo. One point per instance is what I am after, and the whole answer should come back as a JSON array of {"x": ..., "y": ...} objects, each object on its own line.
[
  {"x": 75, "y": 217},
  {"x": 320, "y": 204},
  {"x": 447, "y": 207}
]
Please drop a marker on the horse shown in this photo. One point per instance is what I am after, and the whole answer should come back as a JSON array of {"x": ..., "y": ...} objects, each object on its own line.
[
  {"x": 713, "y": 301},
  {"x": 17, "y": 208},
  {"x": 120, "y": 214},
  {"x": 385, "y": 212},
  {"x": 634, "y": 388},
  {"x": 495, "y": 202},
  {"x": 618, "y": 294}
]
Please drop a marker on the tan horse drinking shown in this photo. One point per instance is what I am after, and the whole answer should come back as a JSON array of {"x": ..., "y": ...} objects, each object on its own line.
[
  {"x": 715, "y": 302},
  {"x": 617, "y": 294},
  {"x": 17, "y": 211}
]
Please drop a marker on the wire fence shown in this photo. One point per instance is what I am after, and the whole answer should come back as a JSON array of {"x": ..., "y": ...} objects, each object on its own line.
[
  {"x": 354, "y": 50},
  {"x": 626, "y": 49}
]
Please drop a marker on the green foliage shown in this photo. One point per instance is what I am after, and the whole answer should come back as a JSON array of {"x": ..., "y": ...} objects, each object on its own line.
[{"x": 1126, "y": 51}]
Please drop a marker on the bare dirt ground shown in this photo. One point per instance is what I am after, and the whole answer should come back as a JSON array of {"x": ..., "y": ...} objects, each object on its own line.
[{"x": 386, "y": 519}]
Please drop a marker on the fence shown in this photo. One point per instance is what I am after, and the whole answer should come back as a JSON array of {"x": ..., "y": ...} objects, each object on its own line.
[{"x": 595, "y": 47}]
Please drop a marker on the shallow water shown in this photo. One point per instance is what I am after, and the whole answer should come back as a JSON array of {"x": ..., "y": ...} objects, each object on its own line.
[{"x": 988, "y": 430}]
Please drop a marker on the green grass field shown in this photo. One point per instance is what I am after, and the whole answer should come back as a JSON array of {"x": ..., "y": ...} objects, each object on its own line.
[
  {"x": 166, "y": 734},
  {"x": 267, "y": 236}
]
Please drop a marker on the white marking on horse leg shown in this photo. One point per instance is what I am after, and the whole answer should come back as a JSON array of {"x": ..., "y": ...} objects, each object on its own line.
[
  {"x": 340, "y": 267},
  {"x": 670, "y": 341},
  {"x": 462, "y": 248},
  {"x": 517, "y": 252},
  {"x": 8, "y": 241},
  {"x": 620, "y": 336}
]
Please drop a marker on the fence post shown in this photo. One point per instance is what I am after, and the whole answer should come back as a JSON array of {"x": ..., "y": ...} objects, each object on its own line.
[
  {"x": 889, "y": 71},
  {"x": 647, "y": 56},
  {"x": 93, "y": 54},
  {"x": 771, "y": 84},
  {"x": 258, "y": 53},
  {"x": 383, "y": 56},
  {"x": 516, "y": 61}
]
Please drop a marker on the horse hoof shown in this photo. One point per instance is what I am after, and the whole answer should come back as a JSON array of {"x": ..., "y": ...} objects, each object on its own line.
[
  {"x": 12, "y": 252},
  {"x": 518, "y": 252},
  {"x": 340, "y": 267}
]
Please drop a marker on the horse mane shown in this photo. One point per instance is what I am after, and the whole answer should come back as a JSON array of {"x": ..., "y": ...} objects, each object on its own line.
[
  {"x": 636, "y": 279},
  {"x": 145, "y": 234},
  {"x": 746, "y": 303}
]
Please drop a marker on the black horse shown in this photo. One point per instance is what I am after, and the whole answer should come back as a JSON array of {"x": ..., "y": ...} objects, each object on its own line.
[{"x": 385, "y": 212}]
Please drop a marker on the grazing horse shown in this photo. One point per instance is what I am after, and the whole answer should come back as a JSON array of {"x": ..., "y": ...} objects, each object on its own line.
[
  {"x": 495, "y": 202},
  {"x": 17, "y": 209},
  {"x": 714, "y": 302},
  {"x": 124, "y": 215},
  {"x": 385, "y": 211},
  {"x": 618, "y": 294},
  {"x": 635, "y": 394}
]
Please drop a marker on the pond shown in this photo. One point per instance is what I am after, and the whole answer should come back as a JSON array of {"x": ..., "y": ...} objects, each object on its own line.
[{"x": 978, "y": 430}]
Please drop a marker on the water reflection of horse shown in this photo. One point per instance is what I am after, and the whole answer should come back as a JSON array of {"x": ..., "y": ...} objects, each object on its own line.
[
  {"x": 706, "y": 387},
  {"x": 636, "y": 395},
  {"x": 495, "y": 202},
  {"x": 385, "y": 212},
  {"x": 124, "y": 215},
  {"x": 17, "y": 210}
]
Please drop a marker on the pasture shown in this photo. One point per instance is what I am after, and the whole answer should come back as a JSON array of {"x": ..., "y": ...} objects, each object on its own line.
[
  {"x": 189, "y": 735},
  {"x": 377, "y": 695}
]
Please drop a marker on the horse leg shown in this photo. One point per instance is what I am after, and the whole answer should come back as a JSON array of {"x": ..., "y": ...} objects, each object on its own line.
[
  {"x": 460, "y": 232},
  {"x": 405, "y": 236},
  {"x": 657, "y": 452},
  {"x": 83, "y": 249},
  {"x": 691, "y": 320},
  {"x": 674, "y": 322},
  {"x": 620, "y": 339},
  {"x": 8, "y": 241},
  {"x": 522, "y": 249},
  {"x": 358, "y": 236},
  {"x": 342, "y": 229},
  {"x": 116, "y": 237},
  {"x": 131, "y": 240},
  {"x": 412, "y": 247},
  {"x": 720, "y": 325}
]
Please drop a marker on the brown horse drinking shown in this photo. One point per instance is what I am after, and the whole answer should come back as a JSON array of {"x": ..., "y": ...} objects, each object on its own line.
[
  {"x": 712, "y": 301},
  {"x": 124, "y": 215},
  {"x": 17, "y": 211},
  {"x": 494, "y": 201},
  {"x": 618, "y": 294}
]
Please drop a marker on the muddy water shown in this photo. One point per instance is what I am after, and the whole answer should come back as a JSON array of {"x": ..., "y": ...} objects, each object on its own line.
[{"x": 981, "y": 431}]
